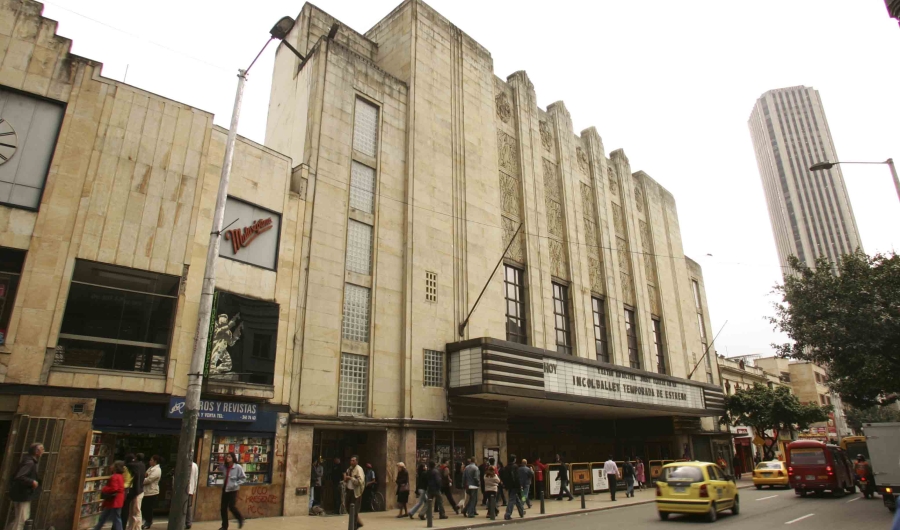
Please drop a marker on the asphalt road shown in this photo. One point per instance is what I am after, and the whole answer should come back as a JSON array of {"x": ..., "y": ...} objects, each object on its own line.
[{"x": 763, "y": 509}]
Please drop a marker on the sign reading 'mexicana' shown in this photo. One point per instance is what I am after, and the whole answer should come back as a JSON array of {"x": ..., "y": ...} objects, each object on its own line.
[{"x": 252, "y": 236}]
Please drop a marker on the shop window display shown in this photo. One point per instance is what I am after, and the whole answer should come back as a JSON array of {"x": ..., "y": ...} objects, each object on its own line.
[
  {"x": 242, "y": 340},
  {"x": 98, "y": 458},
  {"x": 252, "y": 454}
]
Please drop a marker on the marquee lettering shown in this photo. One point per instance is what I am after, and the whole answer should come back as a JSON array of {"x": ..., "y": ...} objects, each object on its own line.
[{"x": 242, "y": 237}]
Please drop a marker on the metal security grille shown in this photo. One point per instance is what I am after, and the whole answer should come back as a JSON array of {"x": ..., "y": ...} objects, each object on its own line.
[
  {"x": 365, "y": 128},
  {"x": 362, "y": 187},
  {"x": 359, "y": 248},
  {"x": 28, "y": 430},
  {"x": 356, "y": 313},
  {"x": 353, "y": 393},
  {"x": 430, "y": 286},
  {"x": 434, "y": 368}
]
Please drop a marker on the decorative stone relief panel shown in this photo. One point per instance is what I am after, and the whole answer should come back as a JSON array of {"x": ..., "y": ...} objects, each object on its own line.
[
  {"x": 554, "y": 219},
  {"x": 627, "y": 289},
  {"x": 618, "y": 219},
  {"x": 559, "y": 265},
  {"x": 587, "y": 200},
  {"x": 582, "y": 160},
  {"x": 648, "y": 268},
  {"x": 638, "y": 194},
  {"x": 624, "y": 265},
  {"x": 517, "y": 249},
  {"x": 509, "y": 195},
  {"x": 504, "y": 108},
  {"x": 546, "y": 135},
  {"x": 595, "y": 269},
  {"x": 625, "y": 270},
  {"x": 645, "y": 235},
  {"x": 509, "y": 153},
  {"x": 613, "y": 181},
  {"x": 654, "y": 300},
  {"x": 551, "y": 181}
]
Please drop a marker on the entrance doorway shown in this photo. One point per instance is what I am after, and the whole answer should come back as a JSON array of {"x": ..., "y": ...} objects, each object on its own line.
[
  {"x": 336, "y": 447},
  {"x": 163, "y": 445}
]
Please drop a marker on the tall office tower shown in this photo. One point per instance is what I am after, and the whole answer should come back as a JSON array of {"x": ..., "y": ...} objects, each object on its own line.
[{"x": 810, "y": 211}]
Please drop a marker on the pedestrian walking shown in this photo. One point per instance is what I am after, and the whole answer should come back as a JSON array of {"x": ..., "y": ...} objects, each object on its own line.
[
  {"x": 421, "y": 491},
  {"x": 611, "y": 470},
  {"x": 628, "y": 476},
  {"x": 435, "y": 482},
  {"x": 402, "y": 489},
  {"x": 447, "y": 483},
  {"x": 24, "y": 486},
  {"x": 540, "y": 470},
  {"x": 737, "y": 465},
  {"x": 113, "y": 495},
  {"x": 491, "y": 483},
  {"x": 482, "y": 471},
  {"x": 371, "y": 487},
  {"x": 472, "y": 482},
  {"x": 639, "y": 473},
  {"x": 526, "y": 477},
  {"x": 191, "y": 491},
  {"x": 151, "y": 490},
  {"x": 354, "y": 485},
  {"x": 318, "y": 475},
  {"x": 563, "y": 479},
  {"x": 498, "y": 469},
  {"x": 337, "y": 481},
  {"x": 510, "y": 479},
  {"x": 134, "y": 492},
  {"x": 234, "y": 477}
]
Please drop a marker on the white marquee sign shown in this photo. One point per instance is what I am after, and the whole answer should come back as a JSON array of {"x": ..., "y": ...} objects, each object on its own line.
[{"x": 573, "y": 379}]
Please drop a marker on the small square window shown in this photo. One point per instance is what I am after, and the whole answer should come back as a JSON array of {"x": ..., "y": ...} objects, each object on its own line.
[
  {"x": 431, "y": 286},
  {"x": 434, "y": 368}
]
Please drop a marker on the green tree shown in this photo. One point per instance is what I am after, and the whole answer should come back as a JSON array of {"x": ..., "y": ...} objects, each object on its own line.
[
  {"x": 770, "y": 411},
  {"x": 846, "y": 318},
  {"x": 856, "y": 417}
]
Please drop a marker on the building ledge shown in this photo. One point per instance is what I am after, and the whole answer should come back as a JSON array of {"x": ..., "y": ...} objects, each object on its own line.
[{"x": 238, "y": 389}]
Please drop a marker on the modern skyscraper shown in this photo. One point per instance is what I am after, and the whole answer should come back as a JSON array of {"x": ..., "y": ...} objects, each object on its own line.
[{"x": 810, "y": 211}]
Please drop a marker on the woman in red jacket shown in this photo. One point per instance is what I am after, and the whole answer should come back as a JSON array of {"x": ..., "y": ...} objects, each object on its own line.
[{"x": 113, "y": 498}]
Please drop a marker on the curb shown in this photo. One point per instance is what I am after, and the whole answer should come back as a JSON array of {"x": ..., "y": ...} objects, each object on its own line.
[{"x": 540, "y": 517}]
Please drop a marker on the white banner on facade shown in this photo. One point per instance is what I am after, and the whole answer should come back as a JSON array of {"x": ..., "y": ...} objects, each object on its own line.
[{"x": 575, "y": 379}]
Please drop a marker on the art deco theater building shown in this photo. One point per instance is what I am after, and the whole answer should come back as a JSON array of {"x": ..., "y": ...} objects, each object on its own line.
[{"x": 358, "y": 308}]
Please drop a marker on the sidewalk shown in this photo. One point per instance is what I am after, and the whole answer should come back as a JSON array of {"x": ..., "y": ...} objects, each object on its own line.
[{"x": 388, "y": 520}]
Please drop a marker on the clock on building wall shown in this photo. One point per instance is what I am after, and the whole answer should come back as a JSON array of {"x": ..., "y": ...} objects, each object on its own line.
[{"x": 9, "y": 141}]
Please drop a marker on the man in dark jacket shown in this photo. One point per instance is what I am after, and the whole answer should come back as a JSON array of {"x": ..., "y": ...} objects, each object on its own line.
[
  {"x": 337, "y": 479},
  {"x": 563, "y": 479},
  {"x": 24, "y": 486},
  {"x": 435, "y": 482},
  {"x": 447, "y": 483},
  {"x": 510, "y": 478}
]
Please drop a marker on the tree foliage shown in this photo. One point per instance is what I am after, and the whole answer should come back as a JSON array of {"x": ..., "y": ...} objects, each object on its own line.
[
  {"x": 770, "y": 411},
  {"x": 856, "y": 417},
  {"x": 847, "y": 320}
]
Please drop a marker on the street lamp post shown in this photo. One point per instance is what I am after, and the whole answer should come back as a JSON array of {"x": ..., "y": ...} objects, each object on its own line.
[
  {"x": 191, "y": 409},
  {"x": 820, "y": 166}
]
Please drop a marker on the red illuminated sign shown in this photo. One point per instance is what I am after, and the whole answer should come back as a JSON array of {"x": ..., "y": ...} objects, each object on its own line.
[{"x": 242, "y": 237}]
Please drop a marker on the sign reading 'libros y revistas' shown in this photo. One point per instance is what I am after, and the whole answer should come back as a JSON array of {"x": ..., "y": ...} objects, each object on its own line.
[
  {"x": 582, "y": 380},
  {"x": 215, "y": 410}
]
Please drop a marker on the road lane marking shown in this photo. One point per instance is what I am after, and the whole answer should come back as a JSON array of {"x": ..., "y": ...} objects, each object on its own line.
[
  {"x": 769, "y": 497},
  {"x": 854, "y": 499},
  {"x": 800, "y": 518}
]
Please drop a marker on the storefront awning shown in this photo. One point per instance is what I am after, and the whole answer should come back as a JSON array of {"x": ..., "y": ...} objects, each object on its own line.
[{"x": 525, "y": 376}]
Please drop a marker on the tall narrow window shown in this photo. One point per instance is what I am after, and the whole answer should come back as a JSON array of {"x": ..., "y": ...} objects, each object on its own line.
[
  {"x": 431, "y": 286},
  {"x": 362, "y": 187},
  {"x": 365, "y": 128},
  {"x": 434, "y": 368},
  {"x": 701, "y": 327},
  {"x": 359, "y": 247},
  {"x": 634, "y": 356},
  {"x": 356, "y": 313},
  {"x": 658, "y": 343},
  {"x": 561, "y": 319},
  {"x": 514, "y": 284},
  {"x": 601, "y": 344},
  {"x": 353, "y": 391}
]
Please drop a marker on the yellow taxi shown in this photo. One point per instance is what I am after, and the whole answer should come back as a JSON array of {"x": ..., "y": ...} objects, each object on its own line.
[
  {"x": 771, "y": 474},
  {"x": 695, "y": 488}
]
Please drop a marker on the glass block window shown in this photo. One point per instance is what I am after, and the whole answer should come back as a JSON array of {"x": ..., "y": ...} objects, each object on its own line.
[
  {"x": 365, "y": 128},
  {"x": 514, "y": 285},
  {"x": 431, "y": 286},
  {"x": 634, "y": 357},
  {"x": 359, "y": 248},
  {"x": 658, "y": 344},
  {"x": 561, "y": 319},
  {"x": 353, "y": 391},
  {"x": 601, "y": 343},
  {"x": 362, "y": 187},
  {"x": 434, "y": 368},
  {"x": 356, "y": 313}
]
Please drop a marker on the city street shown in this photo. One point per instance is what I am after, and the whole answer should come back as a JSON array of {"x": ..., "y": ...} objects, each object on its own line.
[{"x": 759, "y": 509}]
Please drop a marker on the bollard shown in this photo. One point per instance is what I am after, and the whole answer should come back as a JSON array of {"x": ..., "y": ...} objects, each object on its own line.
[
  {"x": 542, "y": 501},
  {"x": 352, "y": 512},
  {"x": 582, "y": 499},
  {"x": 492, "y": 507},
  {"x": 429, "y": 514},
  {"x": 29, "y": 524}
]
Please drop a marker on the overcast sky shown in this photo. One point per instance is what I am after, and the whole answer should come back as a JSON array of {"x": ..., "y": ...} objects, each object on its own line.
[{"x": 673, "y": 83}]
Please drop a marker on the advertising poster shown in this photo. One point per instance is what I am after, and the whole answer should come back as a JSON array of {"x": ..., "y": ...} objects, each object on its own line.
[{"x": 599, "y": 481}]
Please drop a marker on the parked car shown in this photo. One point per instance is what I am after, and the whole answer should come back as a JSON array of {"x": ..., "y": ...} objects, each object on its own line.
[
  {"x": 771, "y": 474},
  {"x": 695, "y": 488},
  {"x": 817, "y": 467}
]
